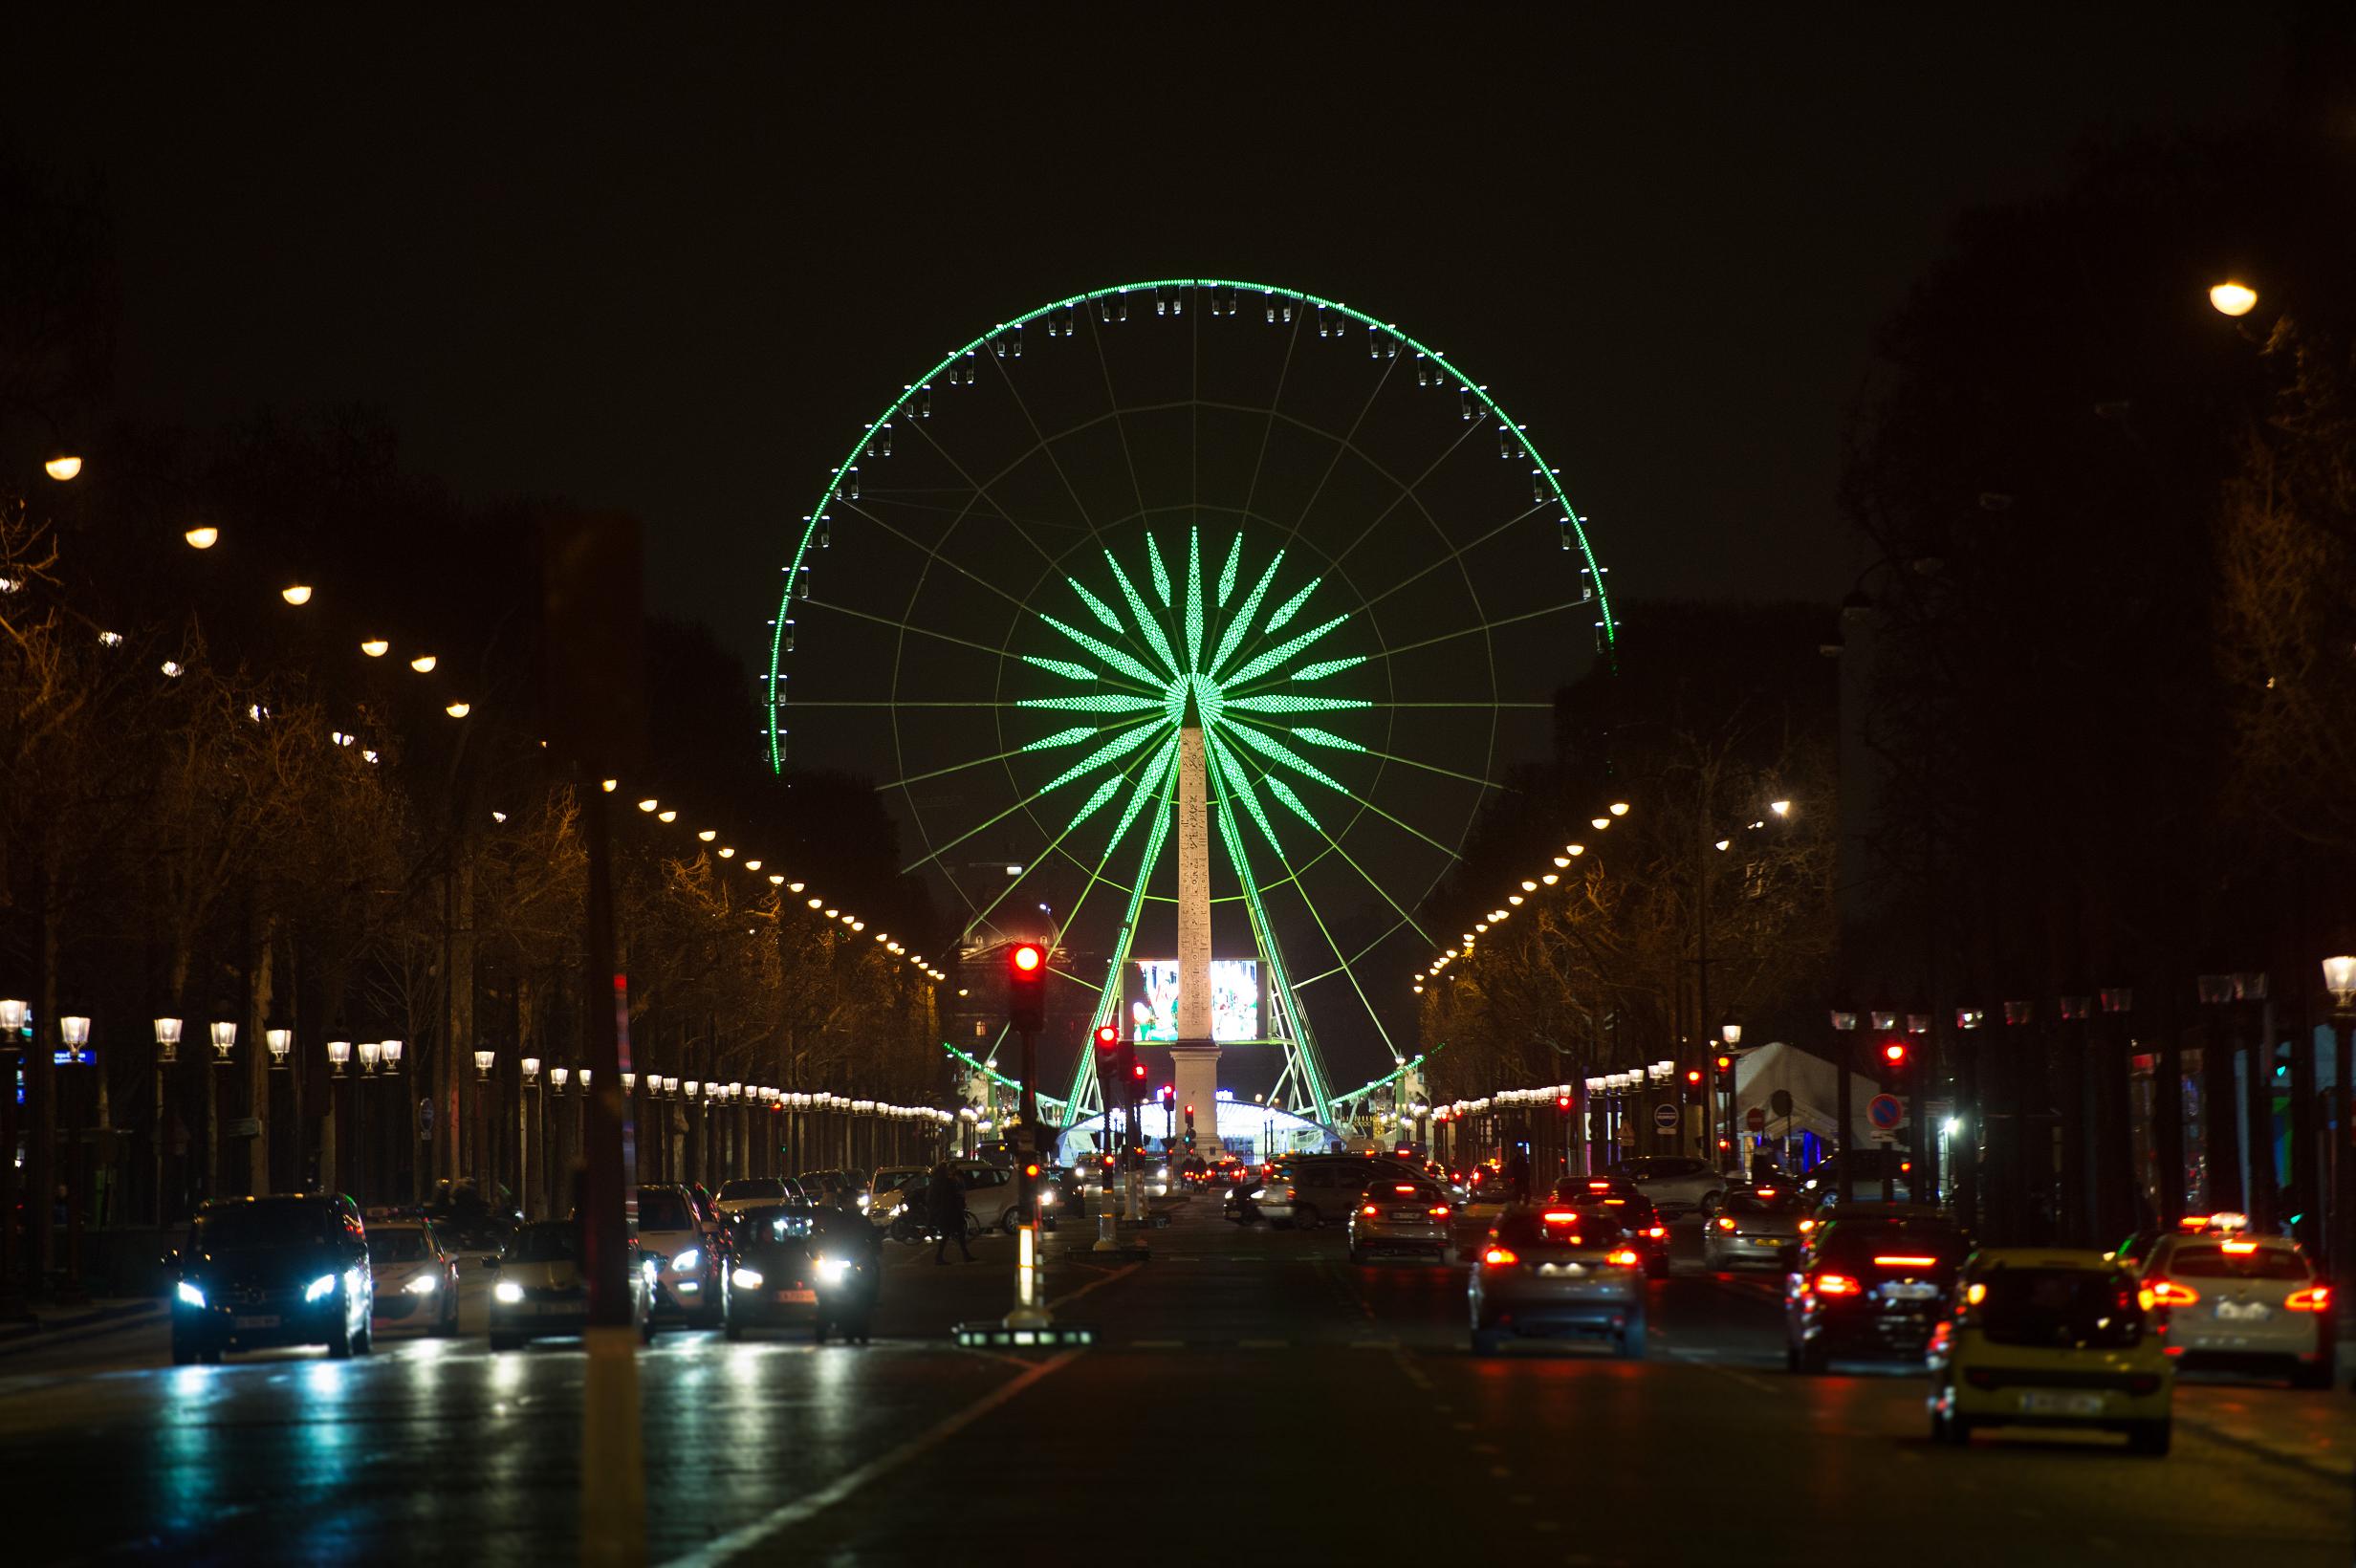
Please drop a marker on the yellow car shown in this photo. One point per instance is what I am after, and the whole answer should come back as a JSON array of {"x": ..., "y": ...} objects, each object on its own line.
[{"x": 2045, "y": 1337}]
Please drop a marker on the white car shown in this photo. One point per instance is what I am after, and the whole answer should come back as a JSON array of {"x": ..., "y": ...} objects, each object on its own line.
[
  {"x": 992, "y": 1194},
  {"x": 541, "y": 1294},
  {"x": 2242, "y": 1301},
  {"x": 417, "y": 1280},
  {"x": 1676, "y": 1184},
  {"x": 692, "y": 1260},
  {"x": 745, "y": 1192}
]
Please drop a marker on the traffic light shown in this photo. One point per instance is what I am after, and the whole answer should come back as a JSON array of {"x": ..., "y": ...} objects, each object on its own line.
[
  {"x": 1726, "y": 1069},
  {"x": 1894, "y": 1054},
  {"x": 1694, "y": 1078},
  {"x": 1190, "y": 1130},
  {"x": 1026, "y": 988},
  {"x": 1563, "y": 1104},
  {"x": 1106, "y": 1036}
]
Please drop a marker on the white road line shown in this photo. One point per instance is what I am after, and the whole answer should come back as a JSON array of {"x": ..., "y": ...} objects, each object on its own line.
[{"x": 848, "y": 1485}]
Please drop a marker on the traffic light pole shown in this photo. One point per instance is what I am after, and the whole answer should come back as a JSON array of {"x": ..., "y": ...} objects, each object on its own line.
[{"x": 1030, "y": 1310}]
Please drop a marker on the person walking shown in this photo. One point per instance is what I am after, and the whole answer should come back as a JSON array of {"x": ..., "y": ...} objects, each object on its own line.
[
  {"x": 1517, "y": 1175},
  {"x": 945, "y": 1200}
]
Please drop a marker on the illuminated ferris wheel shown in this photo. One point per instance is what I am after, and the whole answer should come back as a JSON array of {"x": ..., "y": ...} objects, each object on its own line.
[{"x": 1192, "y": 507}]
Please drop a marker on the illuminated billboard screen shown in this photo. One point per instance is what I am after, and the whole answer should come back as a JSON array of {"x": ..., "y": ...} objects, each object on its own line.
[{"x": 1234, "y": 1000}]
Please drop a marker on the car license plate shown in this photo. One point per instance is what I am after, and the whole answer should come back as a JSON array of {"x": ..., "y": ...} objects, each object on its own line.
[
  {"x": 1908, "y": 1293},
  {"x": 1406, "y": 1217},
  {"x": 2062, "y": 1404},
  {"x": 2241, "y": 1311},
  {"x": 806, "y": 1297},
  {"x": 260, "y": 1320}
]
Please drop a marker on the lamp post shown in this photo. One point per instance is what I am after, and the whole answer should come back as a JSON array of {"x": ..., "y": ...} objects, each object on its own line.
[
  {"x": 1730, "y": 1035},
  {"x": 224, "y": 1032},
  {"x": 1965, "y": 1145},
  {"x": 486, "y": 1176},
  {"x": 74, "y": 1033},
  {"x": 337, "y": 1158},
  {"x": 11, "y": 1049},
  {"x": 526, "y": 1136},
  {"x": 1843, "y": 1030}
]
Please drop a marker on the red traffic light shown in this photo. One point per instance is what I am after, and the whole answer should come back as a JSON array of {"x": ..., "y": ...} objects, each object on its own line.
[
  {"x": 1726, "y": 1064},
  {"x": 1138, "y": 1071},
  {"x": 1106, "y": 1036},
  {"x": 1693, "y": 1075},
  {"x": 1028, "y": 957},
  {"x": 1562, "y": 1102},
  {"x": 1031, "y": 1170},
  {"x": 1894, "y": 1053},
  {"x": 1189, "y": 1110}
]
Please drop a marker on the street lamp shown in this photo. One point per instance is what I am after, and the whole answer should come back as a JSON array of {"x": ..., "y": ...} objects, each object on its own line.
[
  {"x": 339, "y": 1052},
  {"x": 558, "y": 1078},
  {"x": 2232, "y": 297},
  {"x": 1845, "y": 1026},
  {"x": 390, "y": 1053},
  {"x": 280, "y": 1042},
  {"x": 369, "y": 1051},
  {"x": 224, "y": 1039},
  {"x": 481, "y": 1066}
]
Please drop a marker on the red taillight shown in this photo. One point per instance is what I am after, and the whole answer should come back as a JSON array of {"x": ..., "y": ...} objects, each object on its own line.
[
  {"x": 1558, "y": 1216},
  {"x": 1763, "y": 1191},
  {"x": 1403, "y": 1187},
  {"x": 1368, "y": 1210},
  {"x": 1438, "y": 1211},
  {"x": 2314, "y": 1298},
  {"x": 2166, "y": 1293},
  {"x": 1942, "y": 1336},
  {"x": 1904, "y": 1262},
  {"x": 1835, "y": 1284},
  {"x": 1500, "y": 1257},
  {"x": 1626, "y": 1258},
  {"x": 1614, "y": 1202},
  {"x": 1725, "y": 1224}
]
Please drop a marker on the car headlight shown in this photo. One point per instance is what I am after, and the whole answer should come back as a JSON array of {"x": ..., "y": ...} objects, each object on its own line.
[
  {"x": 745, "y": 1279},
  {"x": 687, "y": 1259},
  {"x": 866, "y": 1200},
  {"x": 834, "y": 1269},
  {"x": 190, "y": 1295},
  {"x": 649, "y": 1268},
  {"x": 422, "y": 1285},
  {"x": 319, "y": 1288},
  {"x": 507, "y": 1291},
  {"x": 1047, "y": 1197}
]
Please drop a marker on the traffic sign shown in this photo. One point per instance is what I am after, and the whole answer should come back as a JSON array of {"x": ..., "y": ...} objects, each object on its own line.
[
  {"x": 1665, "y": 1116},
  {"x": 1755, "y": 1119},
  {"x": 1886, "y": 1113}
]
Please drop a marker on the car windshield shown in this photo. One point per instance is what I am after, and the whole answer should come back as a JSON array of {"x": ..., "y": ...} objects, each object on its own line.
[
  {"x": 662, "y": 1211},
  {"x": 408, "y": 1246},
  {"x": 743, "y": 1186},
  {"x": 893, "y": 1178},
  {"x": 2222, "y": 1262},
  {"x": 552, "y": 1241},
  {"x": 1560, "y": 1228},
  {"x": 2058, "y": 1309},
  {"x": 266, "y": 1225}
]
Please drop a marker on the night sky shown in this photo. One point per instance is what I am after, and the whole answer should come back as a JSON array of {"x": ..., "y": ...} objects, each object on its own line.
[{"x": 674, "y": 268}]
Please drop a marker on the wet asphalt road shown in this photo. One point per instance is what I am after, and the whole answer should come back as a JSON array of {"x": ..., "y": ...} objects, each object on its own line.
[{"x": 1253, "y": 1398}]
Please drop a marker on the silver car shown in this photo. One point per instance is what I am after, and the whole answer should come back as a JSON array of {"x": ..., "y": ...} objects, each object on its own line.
[
  {"x": 1403, "y": 1217},
  {"x": 1548, "y": 1272},
  {"x": 2242, "y": 1301},
  {"x": 1676, "y": 1184},
  {"x": 1748, "y": 1228}
]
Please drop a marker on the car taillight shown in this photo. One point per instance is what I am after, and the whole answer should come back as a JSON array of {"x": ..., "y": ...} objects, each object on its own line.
[
  {"x": 1626, "y": 1258},
  {"x": 1806, "y": 1225},
  {"x": 1403, "y": 1190},
  {"x": 2166, "y": 1293},
  {"x": 1292, "y": 1192},
  {"x": 1942, "y": 1337},
  {"x": 1438, "y": 1211},
  {"x": 1763, "y": 1191},
  {"x": 1835, "y": 1284},
  {"x": 1500, "y": 1257},
  {"x": 1558, "y": 1216},
  {"x": 1368, "y": 1210},
  {"x": 2314, "y": 1298},
  {"x": 1657, "y": 1232},
  {"x": 1896, "y": 1262},
  {"x": 1725, "y": 1224}
]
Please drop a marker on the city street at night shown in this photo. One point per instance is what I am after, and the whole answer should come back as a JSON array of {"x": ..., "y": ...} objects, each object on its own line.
[{"x": 1302, "y": 1377}]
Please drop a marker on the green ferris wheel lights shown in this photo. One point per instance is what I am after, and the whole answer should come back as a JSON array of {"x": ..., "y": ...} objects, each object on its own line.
[
  {"x": 1207, "y": 689},
  {"x": 915, "y": 405}
]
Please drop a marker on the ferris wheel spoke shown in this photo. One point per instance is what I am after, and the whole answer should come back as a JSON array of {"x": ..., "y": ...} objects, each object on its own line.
[
  {"x": 931, "y": 553},
  {"x": 1311, "y": 735},
  {"x": 1243, "y": 868},
  {"x": 1268, "y": 430},
  {"x": 1455, "y": 554},
  {"x": 901, "y": 625},
  {"x": 1411, "y": 491},
  {"x": 1344, "y": 443},
  {"x": 1277, "y": 785},
  {"x": 1152, "y": 781}
]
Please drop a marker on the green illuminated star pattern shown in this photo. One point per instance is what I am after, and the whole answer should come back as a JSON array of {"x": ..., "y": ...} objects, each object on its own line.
[{"x": 1140, "y": 674}]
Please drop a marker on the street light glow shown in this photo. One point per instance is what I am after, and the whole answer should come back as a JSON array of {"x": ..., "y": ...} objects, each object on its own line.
[
  {"x": 458, "y": 710},
  {"x": 295, "y": 593},
  {"x": 62, "y": 467},
  {"x": 375, "y": 647},
  {"x": 203, "y": 537},
  {"x": 424, "y": 664},
  {"x": 2233, "y": 298}
]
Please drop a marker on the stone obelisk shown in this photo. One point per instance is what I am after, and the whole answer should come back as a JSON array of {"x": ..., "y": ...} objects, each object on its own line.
[{"x": 1194, "y": 1057}]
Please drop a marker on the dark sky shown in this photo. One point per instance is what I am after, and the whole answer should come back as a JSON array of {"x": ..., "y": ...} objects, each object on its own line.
[{"x": 674, "y": 264}]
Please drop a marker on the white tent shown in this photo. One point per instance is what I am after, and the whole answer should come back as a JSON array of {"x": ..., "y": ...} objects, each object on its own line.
[{"x": 1815, "y": 1088}]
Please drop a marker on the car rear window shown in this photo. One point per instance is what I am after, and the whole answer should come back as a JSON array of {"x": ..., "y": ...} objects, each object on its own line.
[
  {"x": 1415, "y": 1194},
  {"x": 662, "y": 1211},
  {"x": 1560, "y": 1228},
  {"x": 2207, "y": 1262},
  {"x": 2058, "y": 1309},
  {"x": 1742, "y": 1203},
  {"x": 1857, "y": 1240}
]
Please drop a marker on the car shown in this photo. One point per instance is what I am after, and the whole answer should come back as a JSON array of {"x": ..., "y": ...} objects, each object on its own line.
[
  {"x": 1676, "y": 1184},
  {"x": 993, "y": 1196},
  {"x": 1305, "y": 1190},
  {"x": 540, "y": 1293},
  {"x": 255, "y": 1273},
  {"x": 416, "y": 1277},
  {"x": 1618, "y": 1200},
  {"x": 745, "y": 1192},
  {"x": 2243, "y": 1302},
  {"x": 2050, "y": 1338},
  {"x": 803, "y": 1266},
  {"x": 1821, "y": 1183},
  {"x": 888, "y": 1191},
  {"x": 1403, "y": 1217},
  {"x": 1871, "y": 1284},
  {"x": 691, "y": 1258},
  {"x": 1545, "y": 1273},
  {"x": 1748, "y": 1229}
]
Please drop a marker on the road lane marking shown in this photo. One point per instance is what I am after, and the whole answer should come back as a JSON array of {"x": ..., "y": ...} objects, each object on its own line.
[
  {"x": 848, "y": 1485},
  {"x": 1743, "y": 1378},
  {"x": 1094, "y": 1284}
]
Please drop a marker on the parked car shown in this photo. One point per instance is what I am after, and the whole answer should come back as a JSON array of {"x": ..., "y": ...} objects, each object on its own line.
[
  {"x": 1306, "y": 1190},
  {"x": 258, "y": 1272},
  {"x": 1676, "y": 1184},
  {"x": 540, "y": 1292},
  {"x": 2050, "y": 1338},
  {"x": 416, "y": 1277}
]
